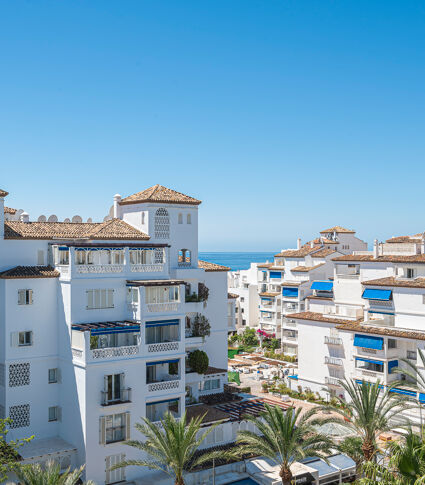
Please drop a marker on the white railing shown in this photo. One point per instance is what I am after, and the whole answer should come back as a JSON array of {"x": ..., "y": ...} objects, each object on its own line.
[
  {"x": 369, "y": 373},
  {"x": 115, "y": 352},
  {"x": 289, "y": 337},
  {"x": 147, "y": 268},
  {"x": 162, "y": 386},
  {"x": 77, "y": 353},
  {"x": 99, "y": 268},
  {"x": 334, "y": 381},
  {"x": 163, "y": 347},
  {"x": 332, "y": 360},
  {"x": 182, "y": 264},
  {"x": 162, "y": 307},
  {"x": 333, "y": 340},
  {"x": 380, "y": 303},
  {"x": 289, "y": 323},
  {"x": 348, "y": 276},
  {"x": 64, "y": 269}
]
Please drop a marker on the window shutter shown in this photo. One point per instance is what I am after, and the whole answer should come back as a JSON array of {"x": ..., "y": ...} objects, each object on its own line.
[
  {"x": 59, "y": 413},
  {"x": 89, "y": 298},
  {"x": 122, "y": 458},
  {"x": 105, "y": 383},
  {"x": 58, "y": 375},
  {"x": 14, "y": 339},
  {"x": 31, "y": 338},
  {"x": 30, "y": 299},
  {"x": 127, "y": 426},
  {"x": 110, "y": 298},
  {"x": 102, "y": 430},
  {"x": 122, "y": 376},
  {"x": 21, "y": 297},
  {"x": 108, "y": 466}
]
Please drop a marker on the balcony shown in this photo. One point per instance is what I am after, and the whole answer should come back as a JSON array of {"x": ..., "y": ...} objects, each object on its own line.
[
  {"x": 99, "y": 268},
  {"x": 123, "y": 396},
  {"x": 290, "y": 336},
  {"x": 163, "y": 347},
  {"x": 333, "y": 340},
  {"x": 147, "y": 268},
  {"x": 162, "y": 307},
  {"x": 165, "y": 385},
  {"x": 332, "y": 381},
  {"x": 107, "y": 353},
  {"x": 333, "y": 361}
]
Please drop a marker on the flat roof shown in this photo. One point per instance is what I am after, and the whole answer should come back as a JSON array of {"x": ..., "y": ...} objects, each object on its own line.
[
  {"x": 45, "y": 446},
  {"x": 84, "y": 327},
  {"x": 155, "y": 282}
]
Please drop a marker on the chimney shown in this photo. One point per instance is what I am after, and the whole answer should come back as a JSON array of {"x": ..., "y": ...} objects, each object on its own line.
[
  {"x": 312, "y": 244},
  {"x": 299, "y": 243},
  {"x": 375, "y": 248},
  {"x": 25, "y": 217},
  {"x": 117, "y": 200},
  {"x": 423, "y": 243},
  {"x": 1, "y": 217}
]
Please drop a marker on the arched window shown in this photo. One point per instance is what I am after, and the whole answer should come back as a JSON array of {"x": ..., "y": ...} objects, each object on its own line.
[
  {"x": 184, "y": 257},
  {"x": 180, "y": 218},
  {"x": 162, "y": 224},
  {"x": 189, "y": 219}
]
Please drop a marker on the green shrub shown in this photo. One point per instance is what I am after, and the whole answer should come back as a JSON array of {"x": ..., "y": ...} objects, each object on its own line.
[
  {"x": 198, "y": 361},
  {"x": 201, "y": 326}
]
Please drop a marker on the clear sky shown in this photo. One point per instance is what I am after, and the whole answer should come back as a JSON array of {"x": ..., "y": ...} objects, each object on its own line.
[{"x": 284, "y": 117}]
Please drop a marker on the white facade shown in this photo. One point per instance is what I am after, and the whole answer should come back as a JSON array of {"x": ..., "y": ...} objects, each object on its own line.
[{"x": 100, "y": 339}]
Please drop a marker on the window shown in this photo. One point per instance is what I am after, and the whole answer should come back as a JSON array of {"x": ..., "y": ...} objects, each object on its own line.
[
  {"x": 410, "y": 273},
  {"x": 353, "y": 269},
  {"x": 180, "y": 218},
  {"x": 189, "y": 219},
  {"x": 242, "y": 310},
  {"x": 53, "y": 376},
  {"x": 162, "y": 333},
  {"x": 40, "y": 257},
  {"x": 242, "y": 299},
  {"x": 162, "y": 224},
  {"x": 133, "y": 295},
  {"x": 117, "y": 475},
  {"x": 412, "y": 355},
  {"x": 370, "y": 365},
  {"x": 63, "y": 257},
  {"x": 24, "y": 339},
  {"x": 53, "y": 413},
  {"x": 392, "y": 343},
  {"x": 97, "y": 299},
  {"x": 113, "y": 387},
  {"x": 161, "y": 294},
  {"x": 83, "y": 257},
  {"x": 185, "y": 257},
  {"x": 209, "y": 385},
  {"x": 115, "y": 427},
  {"x": 25, "y": 297},
  {"x": 243, "y": 322}
]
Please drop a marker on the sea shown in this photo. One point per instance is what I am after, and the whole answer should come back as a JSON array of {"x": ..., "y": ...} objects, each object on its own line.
[{"x": 236, "y": 260}]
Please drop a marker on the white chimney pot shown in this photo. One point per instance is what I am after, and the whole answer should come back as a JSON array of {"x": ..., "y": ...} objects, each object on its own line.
[{"x": 25, "y": 217}]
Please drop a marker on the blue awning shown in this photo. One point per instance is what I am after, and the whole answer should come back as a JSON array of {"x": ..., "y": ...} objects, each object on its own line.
[
  {"x": 275, "y": 274},
  {"x": 294, "y": 376},
  {"x": 392, "y": 365},
  {"x": 63, "y": 248},
  {"x": 265, "y": 299},
  {"x": 162, "y": 323},
  {"x": 322, "y": 285},
  {"x": 162, "y": 402},
  {"x": 160, "y": 362},
  {"x": 98, "y": 249},
  {"x": 373, "y": 294},
  {"x": 368, "y": 342},
  {"x": 370, "y": 361},
  {"x": 421, "y": 397},
  {"x": 290, "y": 292},
  {"x": 104, "y": 331},
  {"x": 405, "y": 392}
]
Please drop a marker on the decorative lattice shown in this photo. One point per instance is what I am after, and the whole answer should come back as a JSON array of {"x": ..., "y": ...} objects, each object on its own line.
[
  {"x": 160, "y": 254},
  {"x": 20, "y": 416},
  {"x": 2, "y": 374},
  {"x": 163, "y": 347},
  {"x": 162, "y": 224},
  {"x": 162, "y": 386},
  {"x": 19, "y": 374},
  {"x": 2, "y": 412},
  {"x": 115, "y": 352}
]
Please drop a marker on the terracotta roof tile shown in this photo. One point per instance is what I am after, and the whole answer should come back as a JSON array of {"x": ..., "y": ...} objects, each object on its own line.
[
  {"x": 205, "y": 265},
  {"x": 337, "y": 229},
  {"x": 3, "y": 193},
  {"x": 113, "y": 229},
  {"x": 314, "y": 297},
  {"x": 318, "y": 317},
  {"x": 277, "y": 268},
  {"x": 159, "y": 193},
  {"x": 270, "y": 294},
  {"x": 265, "y": 265},
  {"x": 391, "y": 281},
  {"x": 404, "y": 239},
  {"x": 415, "y": 258},
  {"x": 306, "y": 269},
  {"x": 9, "y": 210},
  {"x": 30, "y": 272},
  {"x": 390, "y": 331},
  {"x": 298, "y": 253},
  {"x": 293, "y": 283},
  {"x": 215, "y": 370},
  {"x": 232, "y": 296},
  {"x": 323, "y": 253}
]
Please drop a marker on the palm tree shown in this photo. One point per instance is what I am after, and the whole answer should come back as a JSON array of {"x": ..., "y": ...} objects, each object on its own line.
[
  {"x": 285, "y": 437},
  {"x": 35, "y": 474},
  {"x": 367, "y": 412},
  {"x": 172, "y": 449},
  {"x": 352, "y": 447}
]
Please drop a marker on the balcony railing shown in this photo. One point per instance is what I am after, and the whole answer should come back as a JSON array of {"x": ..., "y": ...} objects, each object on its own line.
[
  {"x": 289, "y": 337},
  {"x": 164, "y": 385},
  {"x": 99, "y": 268},
  {"x": 147, "y": 268},
  {"x": 332, "y": 360},
  {"x": 163, "y": 347},
  {"x": 124, "y": 395},
  {"x": 162, "y": 307},
  {"x": 184, "y": 264},
  {"x": 333, "y": 340},
  {"x": 115, "y": 352},
  {"x": 333, "y": 381}
]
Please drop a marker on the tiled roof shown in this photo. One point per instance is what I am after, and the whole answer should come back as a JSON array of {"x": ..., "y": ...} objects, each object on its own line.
[
  {"x": 3, "y": 193},
  {"x": 315, "y": 297},
  {"x": 9, "y": 210},
  {"x": 297, "y": 253},
  {"x": 265, "y": 265},
  {"x": 210, "y": 414},
  {"x": 211, "y": 266},
  {"x": 293, "y": 283},
  {"x": 338, "y": 229},
  {"x": 306, "y": 269},
  {"x": 318, "y": 317},
  {"x": 391, "y": 281},
  {"x": 161, "y": 194},
  {"x": 404, "y": 239},
  {"x": 113, "y": 229},
  {"x": 232, "y": 295},
  {"x": 390, "y": 331},
  {"x": 30, "y": 272},
  {"x": 323, "y": 253},
  {"x": 277, "y": 268},
  {"x": 270, "y": 294},
  {"x": 215, "y": 370},
  {"x": 415, "y": 258}
]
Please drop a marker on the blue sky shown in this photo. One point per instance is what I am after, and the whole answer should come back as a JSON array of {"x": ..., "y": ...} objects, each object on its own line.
[{"x": 284, "y": 117}]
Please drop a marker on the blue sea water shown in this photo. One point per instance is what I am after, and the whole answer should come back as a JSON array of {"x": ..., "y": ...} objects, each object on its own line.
[{"x": 236, "y": 260}]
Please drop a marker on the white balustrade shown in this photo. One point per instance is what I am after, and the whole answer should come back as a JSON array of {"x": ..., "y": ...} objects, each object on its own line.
[
  {"x": 147, "y": 268},
  {"x": 332, "y": 380},
  {"x": 332, "y": 360},
  {"x": 99, "y": 268},
  {"x": 163, "y": 347},
  {"x": 333, "y": 340},
  {"x": 77, "y": 353},
  {"x": 115, "y": 352},
  {"x": 162, "y": 386},
  {"x": 162, "y": 307}
]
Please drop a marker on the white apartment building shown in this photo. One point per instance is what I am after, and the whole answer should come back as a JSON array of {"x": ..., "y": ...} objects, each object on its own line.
[
  {"x": 244, "y": 285},
  {"x": 295, "y": 276},
  {"x": 374, "y": 318},
  {"x": 97, "y": 321}
]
